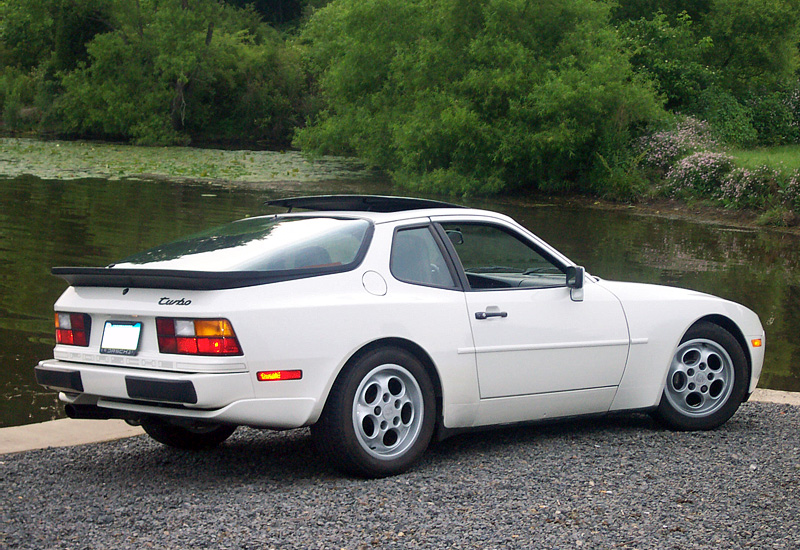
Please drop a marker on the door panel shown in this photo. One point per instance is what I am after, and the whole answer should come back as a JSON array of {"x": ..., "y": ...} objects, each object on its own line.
[
  {"x": 546, "y": 342},
  {"x": 530, "y": 336}
]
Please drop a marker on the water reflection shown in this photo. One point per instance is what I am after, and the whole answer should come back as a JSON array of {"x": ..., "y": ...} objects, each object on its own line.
[{"x": 95, "y": 222}]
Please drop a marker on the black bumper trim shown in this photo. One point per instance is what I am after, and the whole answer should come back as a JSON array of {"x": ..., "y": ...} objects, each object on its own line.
[
  {"x": 173, "y": 391},
  {"x": 63, "y": 380}
]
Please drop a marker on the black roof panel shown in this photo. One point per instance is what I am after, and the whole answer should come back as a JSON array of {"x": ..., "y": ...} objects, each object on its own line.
[{"x": 359, "y": 203}]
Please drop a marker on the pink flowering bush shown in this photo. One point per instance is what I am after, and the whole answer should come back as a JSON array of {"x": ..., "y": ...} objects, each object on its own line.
[
  {"x": 743, "y": 188},
  {"x": 662, "y": 149},
  {"x": 700, "y": 174},
  {"x": 790, "y": 193}
]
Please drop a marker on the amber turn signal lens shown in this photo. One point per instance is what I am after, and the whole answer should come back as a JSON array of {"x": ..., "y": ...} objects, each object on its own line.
[
  {"x": 756, "y": 342},
  {"x": 197, "y": 337}
]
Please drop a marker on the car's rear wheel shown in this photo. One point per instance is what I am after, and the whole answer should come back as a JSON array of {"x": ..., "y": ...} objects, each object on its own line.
[
  {"x": 380, "y": 415},
  {"x": 707, "y": 380},
  {"x": 193, "y": 436}
]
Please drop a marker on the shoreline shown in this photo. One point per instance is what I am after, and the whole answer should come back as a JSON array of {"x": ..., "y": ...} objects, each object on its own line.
[
  {"x": 66, "y": 159},
  {"x": 67, "y": 432},
  {"x": 664, "y": 208}
]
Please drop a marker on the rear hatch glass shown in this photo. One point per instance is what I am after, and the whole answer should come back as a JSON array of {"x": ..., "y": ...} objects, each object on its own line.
[{"x": 271, "y": 243}]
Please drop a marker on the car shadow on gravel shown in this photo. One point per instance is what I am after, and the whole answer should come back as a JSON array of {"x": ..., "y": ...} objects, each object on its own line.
[
  {"x": 288, "y": 456},
  {"x": 512, "y": 438}
]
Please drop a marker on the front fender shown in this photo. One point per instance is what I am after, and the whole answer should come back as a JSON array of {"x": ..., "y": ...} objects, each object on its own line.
[{"x": 658, "y": 317}]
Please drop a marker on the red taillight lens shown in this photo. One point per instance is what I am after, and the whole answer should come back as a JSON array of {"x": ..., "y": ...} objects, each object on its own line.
[
  {"x": 197, "y": 337},
  {"x": 73, "y": 329}
]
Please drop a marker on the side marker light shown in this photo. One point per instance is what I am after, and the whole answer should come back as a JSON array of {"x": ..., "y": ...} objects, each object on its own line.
[
  {"x": 275, "y": 375},
  {"x": 756, "y": 342}
]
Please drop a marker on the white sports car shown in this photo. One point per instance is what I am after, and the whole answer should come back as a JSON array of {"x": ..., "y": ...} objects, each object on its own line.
[{"x": 383, "y": 322}]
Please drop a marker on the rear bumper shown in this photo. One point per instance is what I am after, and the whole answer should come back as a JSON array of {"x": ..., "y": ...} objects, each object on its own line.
[{"x": 225, "y": 398}]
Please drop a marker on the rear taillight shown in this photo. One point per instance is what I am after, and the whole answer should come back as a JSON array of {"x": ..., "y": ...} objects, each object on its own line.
[
  {"x": 73, "y": 329},
  {"x": 197, "y": 337}
]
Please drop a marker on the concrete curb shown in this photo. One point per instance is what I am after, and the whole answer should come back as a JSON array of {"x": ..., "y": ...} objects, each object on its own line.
[
  {"x": 776, "y": 396},
  {"x": 63, "y": 433},
  {"x": 67, "y": 432}
]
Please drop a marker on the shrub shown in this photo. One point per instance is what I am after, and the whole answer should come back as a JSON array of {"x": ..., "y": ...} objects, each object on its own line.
[
  {"x": 731, "y": 120},
  {"x": 699, "y": 174},
  {"x": 662, "y": 149},
  {"x": 17, "y": 98},
  {"x": 619, "y": 180},
  {"x": 792, "y": 102},
  {"x": 790, "y": 193},
  {"x": 743, "y": 188},
  {"x": 773, "y": 119}
]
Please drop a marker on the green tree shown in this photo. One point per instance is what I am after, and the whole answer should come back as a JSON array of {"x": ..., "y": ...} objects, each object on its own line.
[
  {"x": 173, "y": 70},
  {"x": 462, "y": 96},
  {"x": 634, "y": 10},
  {"x": 755, "y": 42},
  {"x": 673, "y": 54},
  {"x": 27, "y": 32},
  {"x": 279, "y": 12}
]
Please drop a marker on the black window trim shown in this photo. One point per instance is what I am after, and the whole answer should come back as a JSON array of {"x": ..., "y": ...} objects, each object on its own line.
[{"x": 462, "y": 274}]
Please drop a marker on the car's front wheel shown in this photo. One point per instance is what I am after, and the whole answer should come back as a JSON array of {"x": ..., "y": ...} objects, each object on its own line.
[
  {"x": 193, "y": 436},
  {"x": 380, "y": 415},
  {"x": 707, "y": 380}
]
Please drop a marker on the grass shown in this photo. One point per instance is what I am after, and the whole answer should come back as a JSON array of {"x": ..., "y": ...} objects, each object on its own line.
[{"x": 785, "y": 157}]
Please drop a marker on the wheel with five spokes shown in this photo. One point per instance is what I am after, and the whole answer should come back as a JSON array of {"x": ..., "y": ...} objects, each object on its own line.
[
  {"x": 380, "y": 415},
  {"x": 707, "y": 380}
]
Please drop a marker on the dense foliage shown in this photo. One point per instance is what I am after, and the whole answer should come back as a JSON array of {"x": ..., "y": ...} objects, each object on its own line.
[
  {"x": 466, "y": 97},
  {"x": 151, "y": 71},
  {"x": 456, "y": 96}
]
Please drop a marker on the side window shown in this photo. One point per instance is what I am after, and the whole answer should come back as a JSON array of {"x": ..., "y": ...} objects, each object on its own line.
[
  {"x": 417, "y": 258},
  {"x": 493, "y": 258}
]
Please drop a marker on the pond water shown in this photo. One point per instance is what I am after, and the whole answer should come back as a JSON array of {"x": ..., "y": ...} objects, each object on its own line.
[{"x": 92, "y": 222}]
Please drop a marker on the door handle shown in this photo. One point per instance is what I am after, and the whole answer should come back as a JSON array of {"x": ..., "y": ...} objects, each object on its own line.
[{"x": 487, "y": 314}]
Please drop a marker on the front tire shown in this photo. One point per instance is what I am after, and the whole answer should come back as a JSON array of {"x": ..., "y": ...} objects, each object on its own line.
[
  {"x": 380, "y": 415},
  {"x": 194, "y": 436},
  {"x": 706, "y": 382}
]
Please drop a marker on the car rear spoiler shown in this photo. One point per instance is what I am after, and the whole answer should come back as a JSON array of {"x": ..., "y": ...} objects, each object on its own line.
[{"x": 183, "y": 280}]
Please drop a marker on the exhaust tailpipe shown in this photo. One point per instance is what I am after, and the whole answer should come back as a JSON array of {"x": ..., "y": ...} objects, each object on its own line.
[{"x": 90, "y": 412}]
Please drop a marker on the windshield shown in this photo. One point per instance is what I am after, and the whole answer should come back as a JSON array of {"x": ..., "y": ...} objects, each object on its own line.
[{"x": 269, "y": 243}]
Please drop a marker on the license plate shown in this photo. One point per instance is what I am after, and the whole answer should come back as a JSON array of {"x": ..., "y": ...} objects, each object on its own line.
[{"x": 121, "y": 337}]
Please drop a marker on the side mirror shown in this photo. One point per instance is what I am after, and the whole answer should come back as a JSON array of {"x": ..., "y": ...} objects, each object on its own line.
[
  {"x": 575, "y": 276},
  {"x": 456, "y": 237}
]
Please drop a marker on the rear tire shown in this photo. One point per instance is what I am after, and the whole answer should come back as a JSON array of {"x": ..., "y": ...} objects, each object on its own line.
[
  {"x": 380, "y": 415},
  {"x": 191, "y": 436},
  {"x": 706, "y": 382}
]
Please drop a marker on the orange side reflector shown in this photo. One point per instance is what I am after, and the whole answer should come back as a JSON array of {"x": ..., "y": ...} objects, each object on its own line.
[
  {"x": 757, "y": 343},
  {"x": 272, "y": 375}
]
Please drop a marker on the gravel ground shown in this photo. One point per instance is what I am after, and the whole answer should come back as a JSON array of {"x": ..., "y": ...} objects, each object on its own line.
[{"x": 609, "y": 483}]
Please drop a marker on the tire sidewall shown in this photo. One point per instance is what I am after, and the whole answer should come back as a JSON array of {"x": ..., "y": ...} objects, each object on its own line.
[
  {"x": 180, "y": 437},
  {"x": 674, "y": 418},
  {"x": 353, "y": 457}
]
